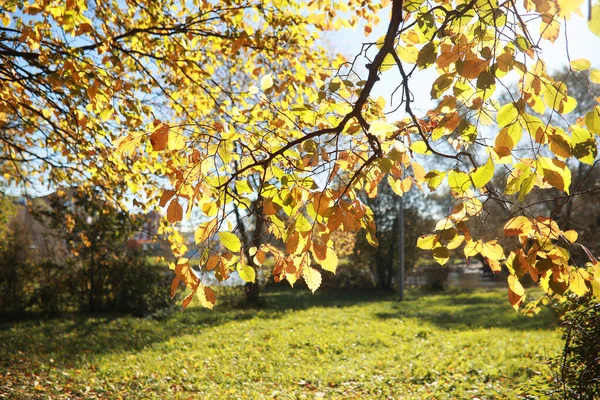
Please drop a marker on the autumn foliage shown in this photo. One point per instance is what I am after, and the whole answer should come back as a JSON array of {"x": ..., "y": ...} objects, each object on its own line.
[{"x": 234, "y": 103}]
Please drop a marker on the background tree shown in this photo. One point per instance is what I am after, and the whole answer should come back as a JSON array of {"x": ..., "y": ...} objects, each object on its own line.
[{"x": 305, "y": 123}]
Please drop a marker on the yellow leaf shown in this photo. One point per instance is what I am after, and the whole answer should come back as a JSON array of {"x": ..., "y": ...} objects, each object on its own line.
[
  {"x": 243, "y": 187},
  {"x": 434, "y": 179},
  {"x": 427, "y": 242},
  {"x": 246, "y": 272},
  {"x": 458, "y": 181},
  {"x": 550, "y": 28},
  {"x": 492, "y": 250},
  {"x": 230, "y": 241},
  {"x": 176, "y": 142},
  {"x": 571, "y": 236},
  {"x": 482, "y": 175},
  {"x": 507, "y": 114},
  {"x": 577, "y": 284},
  {"x": 330, "y": 262},
  {"x": 584, "y": 145},
  {"x": 516, "y": 292},
  {"x": 581, "y": 64},
  {"x": 302, "y": 224},
  {"x": 592, "y": 120},
  {"x": 518, "y": 226},
  {"x": 399, "y": 186},
  {"x": 444, "y": 224},
  {"x": 382, "y": 129},
  {"x": 127, "y": 144},
  {"x": 408, "y": 53},
  {"x": 266, "y": 82},
  {"x": 312, "y": 277},
  {"x": 418, "y": 171},
  {"x": 568, "y": 105},
  {"x": 595, "y": 76},
  {"x": 472, "y": 248},
  {"x": 567, "y": 7},
  {"x": 419, "y": 147},
  {"x": 205, "y": 230}
]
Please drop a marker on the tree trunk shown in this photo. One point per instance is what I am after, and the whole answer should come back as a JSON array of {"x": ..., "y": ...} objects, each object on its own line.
[
  {"x": 92, "y": 271},
  {"x": 252, "y": 289}
]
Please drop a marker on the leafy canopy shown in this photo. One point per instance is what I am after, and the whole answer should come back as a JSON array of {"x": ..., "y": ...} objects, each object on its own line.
[{"x": 235, "y": 103}]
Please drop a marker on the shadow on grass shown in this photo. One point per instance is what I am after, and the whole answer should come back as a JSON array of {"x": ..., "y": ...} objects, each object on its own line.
[
  {"x": 466, "y": 310},
  {"x": 76, "y": 340}
]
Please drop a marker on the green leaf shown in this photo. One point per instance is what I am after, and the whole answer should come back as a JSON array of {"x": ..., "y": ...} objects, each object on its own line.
[
  {"x": 522, "y": 43},
  {"x": 230, "y": 241}
]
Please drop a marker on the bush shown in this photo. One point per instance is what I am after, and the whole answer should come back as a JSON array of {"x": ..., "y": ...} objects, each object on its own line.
[
  {"x": 75, "y": 254},
  {"x": 436, "y": 277},
  {"x": 579, "y": 366},
  {"x": 141, "y": 288},
  {"x": 351, "y": 274}
]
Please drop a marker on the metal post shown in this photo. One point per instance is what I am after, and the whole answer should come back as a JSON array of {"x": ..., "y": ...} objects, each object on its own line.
[{"x": 400, "y": 213}]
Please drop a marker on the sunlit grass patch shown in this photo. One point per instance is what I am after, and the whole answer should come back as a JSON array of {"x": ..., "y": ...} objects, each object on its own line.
[{"x": 334, "y": 345}]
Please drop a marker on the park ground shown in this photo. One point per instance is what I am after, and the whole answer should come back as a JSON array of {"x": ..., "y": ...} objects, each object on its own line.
[{"x": 454, "y": 345}]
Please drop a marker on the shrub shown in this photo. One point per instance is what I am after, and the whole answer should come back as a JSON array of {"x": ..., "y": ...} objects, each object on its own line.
[{"x": 579, "y": 366}]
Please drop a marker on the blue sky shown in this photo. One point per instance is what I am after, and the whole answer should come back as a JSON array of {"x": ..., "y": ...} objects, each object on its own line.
[{"x": 575, "y": 41}]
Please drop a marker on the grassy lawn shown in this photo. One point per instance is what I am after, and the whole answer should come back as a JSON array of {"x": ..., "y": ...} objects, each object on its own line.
[{"x": 330, "y": 345}]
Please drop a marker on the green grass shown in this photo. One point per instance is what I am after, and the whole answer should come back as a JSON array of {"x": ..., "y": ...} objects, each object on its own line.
[{"x": 331, "y": 345}]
